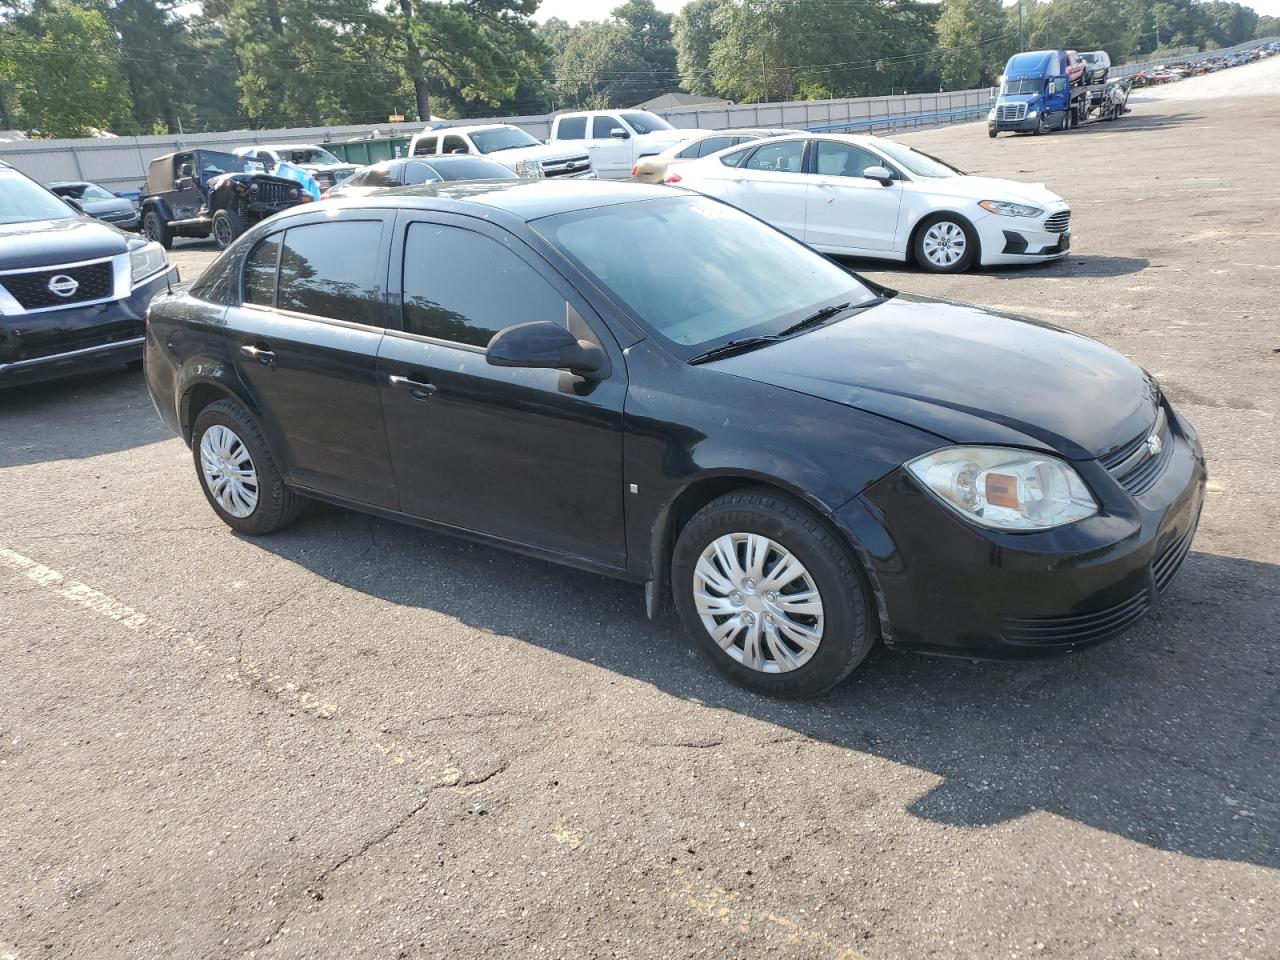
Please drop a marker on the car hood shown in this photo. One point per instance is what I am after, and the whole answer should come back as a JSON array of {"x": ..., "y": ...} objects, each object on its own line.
[
  {"x": 966, "y": 375},
  {"x": 45, "y": 243},
  {"x": 989, "y": 188},
  {"x": 111, "y": 205}
]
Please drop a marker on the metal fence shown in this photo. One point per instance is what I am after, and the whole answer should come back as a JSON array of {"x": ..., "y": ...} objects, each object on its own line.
[{"x": 119, "y": 163}]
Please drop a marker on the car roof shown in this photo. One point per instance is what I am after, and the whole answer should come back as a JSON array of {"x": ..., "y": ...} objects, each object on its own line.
[
  {"x": 66, "y": 183},
  {"x": 522, "y": 199}
]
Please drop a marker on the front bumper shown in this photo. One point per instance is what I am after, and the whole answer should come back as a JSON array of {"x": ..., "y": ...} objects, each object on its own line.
[
  {"x": 78, "y": 340},
  {"x": 946, "y": 586},
  {"x": 1013, "y": 240}
]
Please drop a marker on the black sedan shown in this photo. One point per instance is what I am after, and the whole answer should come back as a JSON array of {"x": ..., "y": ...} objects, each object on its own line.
[
  {"x": 100, "y": 203},
  {"x": 656, "y": 386}
]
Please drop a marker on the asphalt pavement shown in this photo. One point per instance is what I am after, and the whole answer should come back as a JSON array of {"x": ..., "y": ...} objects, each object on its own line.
[{"x": 357, "y": 739}]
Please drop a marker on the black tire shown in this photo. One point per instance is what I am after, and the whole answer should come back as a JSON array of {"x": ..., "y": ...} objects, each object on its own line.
[
  {"x": 991, "y": 134},
  {"x": 277, "y": 506},
  {"x": 156, "y": 228},
  {"x": 847, "y": 633},
  {"x": 967, "y": 259},
  {"x": 226, "y": 226}
]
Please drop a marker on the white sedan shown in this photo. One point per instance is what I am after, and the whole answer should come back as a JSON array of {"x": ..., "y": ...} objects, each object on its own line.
[{"x": 870, "y": 197}]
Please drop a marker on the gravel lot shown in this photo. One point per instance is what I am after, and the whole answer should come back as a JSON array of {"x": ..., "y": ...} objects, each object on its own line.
[{"x": 356, "y": 739}]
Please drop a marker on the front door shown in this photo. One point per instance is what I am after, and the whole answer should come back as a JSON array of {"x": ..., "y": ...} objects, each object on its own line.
[
  {"x": 305, "y": 339},
  {"x": 772, "y": 185},
  {"x": 185, "y": 199},
  {"x": 846, "y": 212},
  {"x": 610, "y": 156},
  {"x": 530, "y": 456}
]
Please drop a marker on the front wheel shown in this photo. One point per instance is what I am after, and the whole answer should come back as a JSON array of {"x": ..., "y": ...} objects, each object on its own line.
[
  {"x": 227, "y": 225},
  {"x": 946, "y": 243},
  {"x": 155, "y": 228},
  {"x": 237, "y": 472},
  {"x": 991, "y": 133},
  {"x": 770, "y": 595}
]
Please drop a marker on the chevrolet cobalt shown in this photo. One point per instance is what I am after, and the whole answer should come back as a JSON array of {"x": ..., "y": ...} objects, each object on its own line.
[{"x": 653, "y": 385}]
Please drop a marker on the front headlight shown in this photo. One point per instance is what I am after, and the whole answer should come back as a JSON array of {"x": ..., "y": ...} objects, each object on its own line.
[
  {"x": 1031, "y": 114},
  {"x": 1005, "y": 489},
  {"x": 146, "y": 260},
  {"x": 522, "y": 169},
  {"x": 1006, "y": 209},
  {"x": 992, "y": 114}
]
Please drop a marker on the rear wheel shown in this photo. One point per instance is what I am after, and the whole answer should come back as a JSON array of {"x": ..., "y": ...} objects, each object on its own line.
[
  {"x": 770, "y": 595},
  {"x": 237, "y": 472},
  {"x": 227, "y": 225},
  {"x": 945, "y": 243},
  {"x": 156, "y": 229}
]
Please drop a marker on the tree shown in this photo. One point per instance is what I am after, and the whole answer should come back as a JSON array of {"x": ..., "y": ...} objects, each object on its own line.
[
  {"x": 58, "y": 60},
  {"x": 1081, "y": 25},
  {"x": 601, "y": 68},
  {"x": 972, "y": 42},
  {"x": 1267, "y": 27},
  {"x": 693, "y": 33},
  {"x": 651, "y": 35}
]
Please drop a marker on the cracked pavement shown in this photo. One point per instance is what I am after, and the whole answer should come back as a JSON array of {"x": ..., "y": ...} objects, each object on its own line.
[{"x": 356, "y": 739}]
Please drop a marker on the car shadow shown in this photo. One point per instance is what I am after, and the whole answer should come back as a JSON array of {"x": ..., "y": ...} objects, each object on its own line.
[
  {"x": 1083, "y": 265},
  {"x": 1166, "y": 736},
  {"x": 34, "y": 419}
]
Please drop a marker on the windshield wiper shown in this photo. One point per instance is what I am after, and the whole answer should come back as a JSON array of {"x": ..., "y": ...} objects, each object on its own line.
[
  {"x": 733, "y": 346},
  {"x": 816, "y": 318}
]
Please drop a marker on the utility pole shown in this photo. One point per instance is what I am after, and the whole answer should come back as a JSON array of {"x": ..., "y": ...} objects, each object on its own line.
[{"x": 1022, "y": 37}]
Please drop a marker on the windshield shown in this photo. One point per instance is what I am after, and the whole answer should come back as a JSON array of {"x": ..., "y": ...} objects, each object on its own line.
[
  {"x": 469, "y": 168},
  {"x": 646, "y": 122},
  {"x": 94, "y": 192},
  {"x": 914, "y": 162},
  {"x": 502, "y": 138},
  {"x": 1030, "y": 86},
  {"x": 213, "y": 164},
  {"x": 308, "y": 155},
  {"x": 22, "y": 200},
  {"x": 677, "y": 263}
]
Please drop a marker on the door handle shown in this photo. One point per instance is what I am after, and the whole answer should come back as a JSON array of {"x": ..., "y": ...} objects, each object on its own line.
[
  {"x": 264, "y": 355},
  {"x": 417, "y": 388}
]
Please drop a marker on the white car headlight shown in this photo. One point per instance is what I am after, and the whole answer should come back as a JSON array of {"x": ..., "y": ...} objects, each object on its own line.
[
  {"x": 1004, "y": 488},
  {"x": 145, "y": 260},
  {"x": 1031, "y": 114},
  {"x": 1006, "y": 209}
]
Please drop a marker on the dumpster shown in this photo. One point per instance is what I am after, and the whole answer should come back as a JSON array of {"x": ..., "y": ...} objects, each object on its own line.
[{"x": 372, "y": 150}]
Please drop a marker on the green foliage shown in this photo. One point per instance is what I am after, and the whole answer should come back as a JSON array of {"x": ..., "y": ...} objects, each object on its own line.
[
  {"x": 975, "y": 40},
  {"x": 693, "y": 33},
  {"x": 602, "y": 66},
  {"x": 1267, "y": 27}
]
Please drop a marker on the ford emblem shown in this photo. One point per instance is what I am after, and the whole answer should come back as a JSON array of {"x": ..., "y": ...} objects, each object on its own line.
[{"x": 62, "y": 285}]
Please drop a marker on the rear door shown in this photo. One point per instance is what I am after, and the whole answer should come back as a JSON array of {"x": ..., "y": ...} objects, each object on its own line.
[
  {"x": 846, "y": 212},
  {"x": 772, "y": 185},
  {"x": 304, "y": 337},
  {"x": 530, "y": 456}
]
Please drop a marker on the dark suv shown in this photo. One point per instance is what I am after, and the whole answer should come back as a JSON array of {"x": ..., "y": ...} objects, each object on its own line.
[
  {"x": 73, "y": 290},
  {"x": 200, "y": 193}
]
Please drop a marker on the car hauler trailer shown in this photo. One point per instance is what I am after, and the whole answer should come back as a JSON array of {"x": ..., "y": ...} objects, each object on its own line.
[{"x": 1036, "y": 96}]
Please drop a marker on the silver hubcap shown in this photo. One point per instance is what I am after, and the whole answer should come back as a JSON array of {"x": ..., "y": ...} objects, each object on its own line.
[
  {"x": 228, "y": 471},
  {"x": 944, "y": 243},
  {"x": 222, "y": 232},
  {"x": 758, "y": 602}
]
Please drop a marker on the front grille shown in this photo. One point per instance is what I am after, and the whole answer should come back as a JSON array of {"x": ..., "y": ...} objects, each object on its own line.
[
  {"x": 1059, "y": 222},
  {"x": 33, "y": 346},
  {"x": 1136, "y": 466},
  {"x": 1011, "y": 111},
  {"x": 114, "y": 217},
  {"x": 272, "y": 192},
  {"x": 567, "y": 166},
  {"x": 93, "y": 281},
  {"x": 1169, "y": 562},
  {"x": 1080, "y": 628}
]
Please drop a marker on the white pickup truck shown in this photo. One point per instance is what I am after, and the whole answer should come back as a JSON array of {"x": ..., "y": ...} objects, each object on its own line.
[
  {"x": 510, "y": 146},
  {"x": 616, "y": 139}
]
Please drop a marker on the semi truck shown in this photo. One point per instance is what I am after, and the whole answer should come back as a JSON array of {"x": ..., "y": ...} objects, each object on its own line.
[{"x": 1042, "y": 90}]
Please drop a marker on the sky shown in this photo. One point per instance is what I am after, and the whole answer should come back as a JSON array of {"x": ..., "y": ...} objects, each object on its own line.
[{"x": 575, "y": 10}]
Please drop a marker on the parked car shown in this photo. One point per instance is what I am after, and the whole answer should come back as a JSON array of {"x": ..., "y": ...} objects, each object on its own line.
[
  {"x": 100, "y": 203},
  {"x": 417, "y": 170},
  {"x": 653, "y": 169},
  {"x": 323, "y": 166},
  {"x": 73, "y": 290},
  {"x": 201, "y": 193},
  {"x": 618, "y": 139},
  {"x": 1097, "y": 64},
  {"x": 666, "y": 390},
  {"x": 508, "y": 145},
  {"x": 871, "y": 197}
]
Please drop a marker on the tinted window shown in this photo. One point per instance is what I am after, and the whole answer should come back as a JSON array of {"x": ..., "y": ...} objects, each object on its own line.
[
  {"x": 356, "y": 179},
  {"x": 214, "y": 285},
  {"x": 785, "y": 157},
  {"x": 601, "y": 126},
  {"x": 464, "y": 287},
  {"x": 419, "y": 173},
  {"x": 844, "y": 160},
  {"x": 572, "y": 128},
  {"x": 734, "y": 159},
  {"x": 382, "y": 176},
  {"x": 646, "y": 122},
  {"x": 469, "y": 168},
  {"x": 260, "y": 272},
  {"x": 453, "y": 144},
  {"x": 425, "y": 147},
  {"x": 715, "y": 145},
  {"x": 331, "y": 270}
]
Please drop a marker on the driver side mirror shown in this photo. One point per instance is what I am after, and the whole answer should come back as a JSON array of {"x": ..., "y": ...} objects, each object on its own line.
[
  {"x": 619, "y": 134},
  {"x": 546, "y": 345},
  {"x": 883, "y": 174}
]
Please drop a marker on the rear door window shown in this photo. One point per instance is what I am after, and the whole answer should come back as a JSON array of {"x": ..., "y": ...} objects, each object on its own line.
[
  {"x": 331, "y": 270},
  {"x": 784, "y": 157},
  {"x": 426, "y": 146},
  {"x": 572, "y": 128},
  {"x": 715, "y": 145},
  {"x": 260, "y": 272},
  {"x": 454, "y": 144}
]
